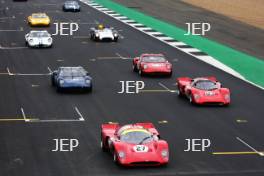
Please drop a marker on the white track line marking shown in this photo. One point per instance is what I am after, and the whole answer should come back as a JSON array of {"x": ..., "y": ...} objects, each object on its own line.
[
  {"x": 207, "y": 59},
  {"x": 162, "y": 85},
  {"x": 108, "y": 58},
  {"x": 9, "y": 48},
  {"x": 260, "y": 153},
  {"x": 31, "y": 74},
  {"x": 169, "y": 90},
  {"x": 55, "y": 120},
  {"x": 79, "y": 113},
  {"x": 50, "y": 71},
  {"x": 121, "y": 57},
  {"x": 3, "y": 18},
  {"x": 11, "y": 30},
  {"x": 28, "y": 74},
  {"x": 81, "y": 118},
  {"x": 24, "y": 115},
  {"x": 8, "y": 71}
]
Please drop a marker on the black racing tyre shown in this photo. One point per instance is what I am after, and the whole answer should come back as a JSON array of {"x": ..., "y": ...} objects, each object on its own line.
[
  {"x": 115, "y": 158},
  {"x": 191, "y": 99},
  {"x": 134, "y": 67},
  {"x": 53, "y": 80},
  {"x": 170, "y": 75},
  {"x": 58, "y": 89},
  {"x": 140, "y": 72}
]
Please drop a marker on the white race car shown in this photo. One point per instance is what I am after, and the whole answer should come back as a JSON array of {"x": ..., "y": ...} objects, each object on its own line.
[
  {"x": 38, "y": 39},
  {"x": 100, "y": 33}
]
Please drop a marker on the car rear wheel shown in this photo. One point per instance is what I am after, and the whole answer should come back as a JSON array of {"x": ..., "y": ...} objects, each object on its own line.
[
  {"x": 90, "y": 89},
  {"x": 140, "y": 72},
  {"x": 179, "y": 91},
  {"x": 115, "y": 159},
  {"x": 102, "y": 145},
  {"x": 191, "y": 99},
  {"x": 170, "y": 74},
  {"x": 59, "y": 90},
  {"x": 134, "y": 68},
  {"x": 52, "y": 81}
]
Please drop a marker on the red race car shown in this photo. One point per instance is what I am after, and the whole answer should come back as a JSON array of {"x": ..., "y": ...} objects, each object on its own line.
[
  {"x": 205, "y": 90},
  {"x": 152, "y": 64},
  {"x": 135, "y": 144}
]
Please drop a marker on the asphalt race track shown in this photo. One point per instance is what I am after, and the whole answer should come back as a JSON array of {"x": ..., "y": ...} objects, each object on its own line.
[{"x": 32, "y": 113}]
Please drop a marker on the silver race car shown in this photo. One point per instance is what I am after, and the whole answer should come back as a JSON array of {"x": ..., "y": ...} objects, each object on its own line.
[
  {"x": 38, "y": 39},
  {"x": 101, "y": 33}
]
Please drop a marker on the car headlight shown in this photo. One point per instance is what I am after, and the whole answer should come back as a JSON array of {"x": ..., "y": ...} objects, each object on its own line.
[
  {"x": 227, "y": 97},
  {"x": 96, "y": 34},
  {"x": 121, "y": 154},
  {"x": 61, "y": 81},
  {"x": 145, "y": 66},
  {"x": 87, "y": 81},
  {"x": 30, "y": 40},
  {"x": 169, "y": 66},
  {"x": 115, "y": 34},
  {"x": 196, "y": 96},
  {"x": 164, "y": 153},
  {"x": 49, "y": 40}
]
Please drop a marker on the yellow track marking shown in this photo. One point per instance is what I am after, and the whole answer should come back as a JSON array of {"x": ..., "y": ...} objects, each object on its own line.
[
  {"x": 162, "y": 121},
  {"x": 17, "y": 119},
  {"x": 236, "y": 153},
  {"x": 241, "y": 121}
]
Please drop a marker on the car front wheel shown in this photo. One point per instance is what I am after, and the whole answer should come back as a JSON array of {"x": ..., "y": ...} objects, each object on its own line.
[{"x": 140, "y": 72}]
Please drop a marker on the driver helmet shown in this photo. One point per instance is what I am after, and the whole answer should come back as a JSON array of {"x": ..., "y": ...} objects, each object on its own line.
[{"x": 101, "y": 26}]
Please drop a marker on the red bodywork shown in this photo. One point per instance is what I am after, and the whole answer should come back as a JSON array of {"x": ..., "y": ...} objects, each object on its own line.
[
  {"x": 144, "y": 68},
  {"x": 110, "y": 141},
  {"x": 219, "y": 95}
]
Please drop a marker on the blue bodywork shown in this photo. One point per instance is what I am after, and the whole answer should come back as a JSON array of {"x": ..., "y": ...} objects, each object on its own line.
[
  {"x": 71, "y": 6},
  {"x": 71, "y": 78}
]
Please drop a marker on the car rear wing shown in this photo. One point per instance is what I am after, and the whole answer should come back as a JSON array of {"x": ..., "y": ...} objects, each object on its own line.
[{"x": 109, "y": 128}]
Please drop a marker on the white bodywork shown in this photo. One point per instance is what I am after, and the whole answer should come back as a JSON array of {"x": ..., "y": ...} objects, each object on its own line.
[
  {"x": 106, "y": 33},
  {"x": 38, "y": 39}
]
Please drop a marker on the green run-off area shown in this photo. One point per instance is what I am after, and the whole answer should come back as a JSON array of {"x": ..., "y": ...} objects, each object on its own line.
[{"x": 251, "y": 68}]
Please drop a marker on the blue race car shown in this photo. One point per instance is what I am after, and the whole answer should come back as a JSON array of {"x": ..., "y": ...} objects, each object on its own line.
[
  {"x": 72, "y": 6},
  {"x": 71, "y": 78}
]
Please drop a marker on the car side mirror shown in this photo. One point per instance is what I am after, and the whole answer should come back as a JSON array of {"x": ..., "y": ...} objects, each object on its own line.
[
  {"x": 55, "y": 73},
  {"x": 87, "y": 74}
]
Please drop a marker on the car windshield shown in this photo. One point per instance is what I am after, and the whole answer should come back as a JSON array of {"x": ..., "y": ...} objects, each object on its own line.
[
  {"x": 39, "y": 34},
  {"x": 72, "y": 72},
  {"x": 153, "y": 59},
  {"x": 39, "y": 16},
  {"x": 136, "y": 136},
  {"x": 205, "y": 85}
]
